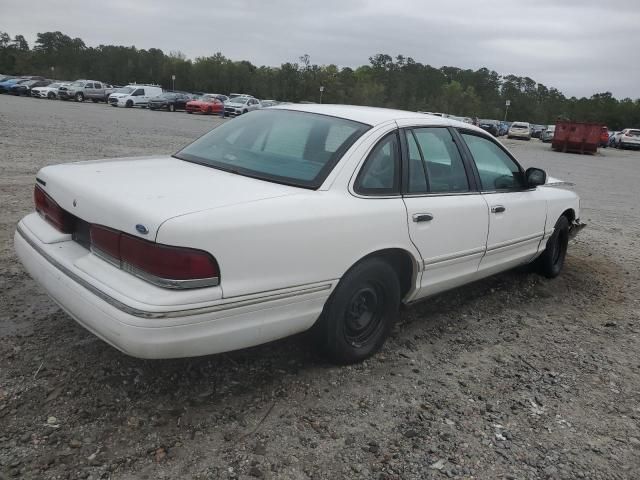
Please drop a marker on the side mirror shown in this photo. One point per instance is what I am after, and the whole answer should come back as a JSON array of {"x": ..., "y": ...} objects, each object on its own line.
[{"x": 535, "y": 177}]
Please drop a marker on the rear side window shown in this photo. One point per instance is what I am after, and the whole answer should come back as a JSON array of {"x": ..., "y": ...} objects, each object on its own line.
[
  {"x": 441, "y": 164},
  {"x": 380, "y": 174}
]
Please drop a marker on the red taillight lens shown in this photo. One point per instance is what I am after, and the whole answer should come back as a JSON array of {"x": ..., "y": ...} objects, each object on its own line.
[
  {"x": 51, "y": 211},
  {"x": 166, "y": 262},
  {"x": 105, "y": 240},
  {"x": 164, "y": 265}
]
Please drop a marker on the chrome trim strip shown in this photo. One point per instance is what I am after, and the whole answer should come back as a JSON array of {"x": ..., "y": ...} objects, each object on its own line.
[
  {"x": 514, "y": 243},
  {"x": 229, "y": 305},
  {"x": 456, "y": 256}
]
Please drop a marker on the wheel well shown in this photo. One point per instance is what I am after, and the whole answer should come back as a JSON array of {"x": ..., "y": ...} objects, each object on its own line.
[
  {"x": 570, "y": 214},
  {"x": 402, "y": 262}
]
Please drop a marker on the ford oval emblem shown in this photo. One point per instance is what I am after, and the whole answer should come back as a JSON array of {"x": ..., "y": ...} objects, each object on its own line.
[{"x": 142, "y": 229}]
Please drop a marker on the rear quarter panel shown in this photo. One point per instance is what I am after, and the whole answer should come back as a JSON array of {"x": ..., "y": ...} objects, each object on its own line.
[{"x": 293, "y": 240}]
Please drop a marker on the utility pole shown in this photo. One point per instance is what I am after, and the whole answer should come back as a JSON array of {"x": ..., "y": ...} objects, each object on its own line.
[
  {"x": 321, "y": 90},
  {"x": 173, "y": 82}
]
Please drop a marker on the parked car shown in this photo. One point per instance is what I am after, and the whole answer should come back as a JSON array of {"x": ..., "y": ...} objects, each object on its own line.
[
  {"x": 547, "y": 134},
  {"x": 520, "y": 130},
  {"x": 269, "y": 103},
  {"x": 612, "y": 138},
  {"x": 239, "y": 105},
  {"x": 170, "y": 101},
  {"x": 207, "y": 104},
  {"x": 234, "y": 95},
  {"x": 604, "y": 137},
  {"x": 7, "y": 84},
  {"x": 134, "y": 95},
  {"x": 24, "y": 88},
  {"x": 627, "y": 138},
  {"x": 217, "y": 249},
  {"x": 82, "y": 90},
  {"x": 491, "y": 126},
  {"x": 50, "y": 91},
  {"x": 536, "y": 130}
]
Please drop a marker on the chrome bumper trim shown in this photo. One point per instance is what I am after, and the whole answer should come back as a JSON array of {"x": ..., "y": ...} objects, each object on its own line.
[{"x": 231, "y": 303}]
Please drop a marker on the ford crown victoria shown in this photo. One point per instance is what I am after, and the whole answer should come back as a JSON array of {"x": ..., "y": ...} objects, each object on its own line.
[{"x": 293, "y": 218}]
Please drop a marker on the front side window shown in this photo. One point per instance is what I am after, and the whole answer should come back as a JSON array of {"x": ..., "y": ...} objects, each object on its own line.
[
  {"x": 284, "y": 146},
  {"x": 441, "y": 164},
  {"x": 380, "y": 174},
  {"x": 138, "y": 93},
  {"x": 497, "y": 170}
]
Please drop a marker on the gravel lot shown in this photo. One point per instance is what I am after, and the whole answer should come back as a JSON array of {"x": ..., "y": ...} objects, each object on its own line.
[{"x": 513, "y": 377}]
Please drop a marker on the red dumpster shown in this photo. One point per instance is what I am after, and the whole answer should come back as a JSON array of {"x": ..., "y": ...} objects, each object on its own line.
[{"x": 577, "y": 137}]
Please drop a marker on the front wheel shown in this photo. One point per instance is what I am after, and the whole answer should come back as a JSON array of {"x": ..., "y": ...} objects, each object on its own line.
[
  {"x": 79, "y": 97},
  {"x": 129, "y": 104},
  {"x": 552, "y": 259},
  {"x": 51, "y": 95},
  {"x": 359, "y": 315},
  {"x": 172, "y": 107}
]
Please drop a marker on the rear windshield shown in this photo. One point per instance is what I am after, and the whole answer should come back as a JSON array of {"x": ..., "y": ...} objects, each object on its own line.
[
  {"x": 520, "y": 125},
  {"x": 283, "y": 146}
]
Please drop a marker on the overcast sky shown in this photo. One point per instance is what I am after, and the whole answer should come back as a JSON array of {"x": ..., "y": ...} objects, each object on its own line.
[{"x": 578, "y": 46}]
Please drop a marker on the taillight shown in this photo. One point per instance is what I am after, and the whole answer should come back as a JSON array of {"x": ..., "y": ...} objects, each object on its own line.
[
  {"x": 52, "y": 212},
  {"x": 162, "y": 265}
]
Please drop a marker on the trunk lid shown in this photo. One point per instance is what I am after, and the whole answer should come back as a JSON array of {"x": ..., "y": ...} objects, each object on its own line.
[{"x": 123, "y": 193}]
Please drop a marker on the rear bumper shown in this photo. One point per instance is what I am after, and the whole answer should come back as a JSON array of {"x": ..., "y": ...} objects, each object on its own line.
[{"x": 172, "y": 332}]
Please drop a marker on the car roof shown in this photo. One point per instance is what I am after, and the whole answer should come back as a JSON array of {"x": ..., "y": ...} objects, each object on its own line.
[{"x": 372, "y": 115}]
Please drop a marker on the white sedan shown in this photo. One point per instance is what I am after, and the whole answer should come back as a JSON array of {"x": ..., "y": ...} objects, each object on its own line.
[{"x": 290, "y": 218}]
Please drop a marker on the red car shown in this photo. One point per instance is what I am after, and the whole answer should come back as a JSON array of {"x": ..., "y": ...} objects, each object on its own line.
[{"x": 207, "y": 104}]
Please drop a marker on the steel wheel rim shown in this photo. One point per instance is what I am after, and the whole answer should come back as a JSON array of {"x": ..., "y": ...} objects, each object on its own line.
[{"x": 363, "y": 315}]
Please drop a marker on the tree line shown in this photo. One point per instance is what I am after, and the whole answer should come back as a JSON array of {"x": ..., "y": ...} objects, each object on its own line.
[{"x": 398, "y": 82}]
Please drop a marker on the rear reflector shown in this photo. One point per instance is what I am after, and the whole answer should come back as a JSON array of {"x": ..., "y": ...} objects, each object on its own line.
[
  {"x": 52, "y": 212},
  {"x": 163, "y": 265}
]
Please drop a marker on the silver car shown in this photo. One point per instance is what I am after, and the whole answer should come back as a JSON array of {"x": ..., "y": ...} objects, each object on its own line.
[{"x": 239, "y": 105}]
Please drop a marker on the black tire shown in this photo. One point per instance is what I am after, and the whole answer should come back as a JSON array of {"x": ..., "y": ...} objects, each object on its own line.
[
  {"x": 359, "y": 315},
  {"x": 245, "y": 111},
  {"x": 51, "y": 95},
  {"x": 189, "y": 111},
  {"x": 129, "y": 104},
  {"x": 79, "y": 97},
  {"x": 95, "y": 100},
  {"x": 172, "y": 107},
  {"x": 552, "y": 259}
]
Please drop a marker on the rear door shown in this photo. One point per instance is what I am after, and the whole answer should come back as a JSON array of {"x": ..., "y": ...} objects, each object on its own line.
[
  {"x": 517, "y": 214},
  {"x": 446, "y": 214}
]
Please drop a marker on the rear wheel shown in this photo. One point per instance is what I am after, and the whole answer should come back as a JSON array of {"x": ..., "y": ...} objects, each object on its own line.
[
  {"x": 552, "y": 259},
  {"x": 359, "y": 315},
  {"x": 79, "y": 97},
  {"x": 95, "y": 100}
]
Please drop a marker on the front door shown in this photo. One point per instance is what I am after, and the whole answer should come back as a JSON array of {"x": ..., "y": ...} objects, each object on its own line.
[
  {"x": 447, "y": 216},
  {"x": 517, "y": 214}
]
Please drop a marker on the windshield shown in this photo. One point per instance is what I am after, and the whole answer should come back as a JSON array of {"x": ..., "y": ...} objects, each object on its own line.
[
  {"x": 207, "y": 98},
  {"x": 54, "y": 85},
  {"x": 79, "y": 83},
  {"x": 167, "y": 96},
  {"x": 124, "y": 90},
  {"x": 635, "y": 133},
  {"x": 283, "y": 146}
]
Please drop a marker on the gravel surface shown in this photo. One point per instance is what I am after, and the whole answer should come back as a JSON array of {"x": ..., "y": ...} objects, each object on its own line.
[{"x": 514, "y": 377}]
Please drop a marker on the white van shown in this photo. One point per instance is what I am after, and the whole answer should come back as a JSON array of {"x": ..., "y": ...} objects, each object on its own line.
[{"x": 134, "y": 95}]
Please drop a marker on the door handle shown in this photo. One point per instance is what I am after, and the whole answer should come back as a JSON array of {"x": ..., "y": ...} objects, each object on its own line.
[
  {"x": 498, "y": 209},
  {"x": 422, "y": 217}
]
